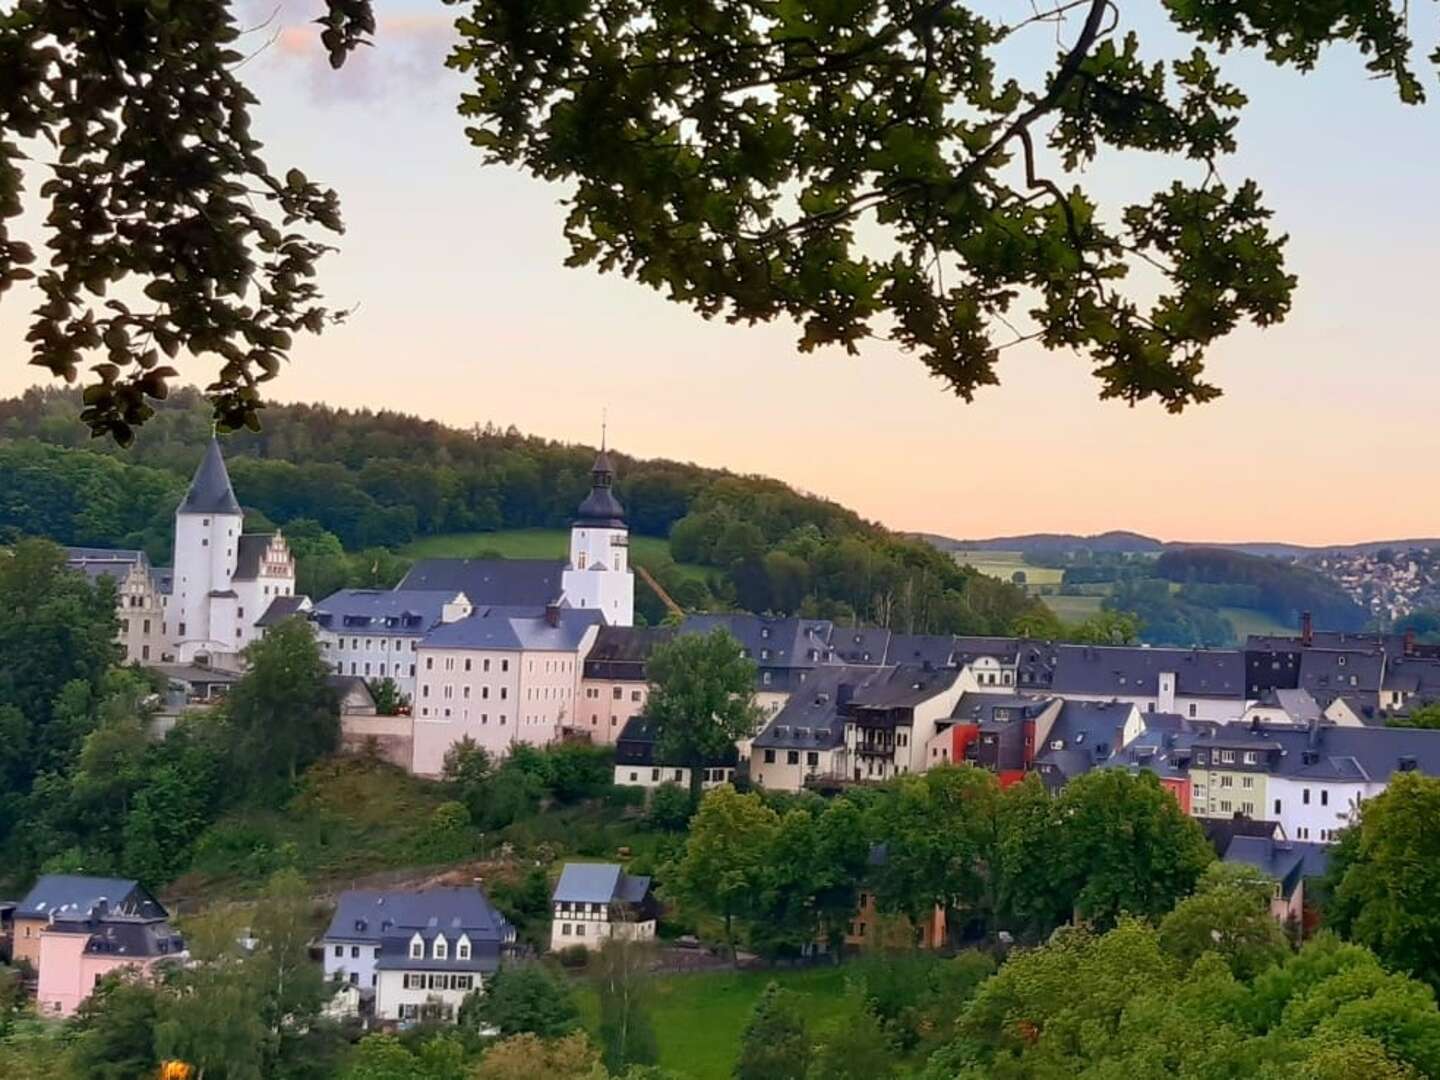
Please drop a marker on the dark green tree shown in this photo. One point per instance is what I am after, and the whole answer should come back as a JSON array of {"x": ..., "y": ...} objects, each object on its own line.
[
  {"x": 670, "y": 808},
  {"x": 528, "y": 999},
  {"x": 1229, "y": 915},
  {"x": 1381, "y": 873},
  {"x": 1124, "y": 846},
  {"x": 776, "y": 1041},
  {"x": 702, "y": 699},
  {"x": 113, "y": 1031},
  {"x": 871, "y": 169},
  {"x": 388, "y": 698},
  {"x": 856, "y": 1046},
  {"x": 726, "y": 863},
  {"x": 283, "y": 713},
  {"x": 154, "y": 182}
]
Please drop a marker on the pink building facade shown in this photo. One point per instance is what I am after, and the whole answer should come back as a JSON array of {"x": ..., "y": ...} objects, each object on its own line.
[{"x": 76, "y": 955}]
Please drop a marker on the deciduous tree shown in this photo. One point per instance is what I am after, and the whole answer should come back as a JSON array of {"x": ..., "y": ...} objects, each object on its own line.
[
  {"x": 528, "y": 999},
  {"x": 776, "y": 1041},
  {"x": 878, "y": 169},
  {"x": 726, "y": 859},
  {"x": 702, "y": 699},
  {"x": 1382, "y": 873}
]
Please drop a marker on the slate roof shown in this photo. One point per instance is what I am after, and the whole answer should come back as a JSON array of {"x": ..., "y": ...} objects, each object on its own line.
[
  {"x": 813, "y": 718},
  {"x": 1327, "y": 673},
  {"x": 96, "y": 563},
  {"x": 513, "y": 628},
  {"x": 1086, "y": 734},
  {"x": 636, "y": 746},
  {"x": 78, "y": 895},
  {"x": 859, "y": 645},
  {"x": 621, "y": 652},
  {"x": 938, "y": 650},
  {"x": 1298, "y": 704},
  {"x": 282, "y": 608},
  {"x": 210, "y": 491},
  {"x": 599, "y": 883},
  {"x": 1164, "y": 747},
  {"x": 600, "y": 508},
  {"x": 770, "y": 642},
  {"x": 1412, "y": 675},
  {"x": 249, "y": 554},
  {"x": 533, "y": 582},
  {"x": 969, "y": 648},
  {"x": 1035, "y": 663},
  {"x": 388, "y": 611},
  {"x": 903, "y": 686},
  {"x": 392, "y": 919},
  {"x": 1330, "y": 752},
  {"x": 1286, "y": 861},
  {"x": 1221, "y": 832},
  {"x": 979, "y": 708},
  {"x": 124, "y": 935},
  {"x": 1130, "y": 671}
]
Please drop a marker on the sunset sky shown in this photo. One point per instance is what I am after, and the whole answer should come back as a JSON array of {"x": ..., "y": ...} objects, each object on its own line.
[{"x": 1327, "y": 431}]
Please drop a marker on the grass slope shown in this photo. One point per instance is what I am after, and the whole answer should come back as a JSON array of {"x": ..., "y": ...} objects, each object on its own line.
[
  {"x": 647, "y": 551},
  {"x": 1003, "y": 564},
  {"x": 699, "y": 1017},
  {"x": 350, "y": 818}
]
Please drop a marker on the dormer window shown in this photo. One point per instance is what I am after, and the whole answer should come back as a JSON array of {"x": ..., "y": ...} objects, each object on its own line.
[
  {"x": 417, "y": 948},
  {"x": 462, "y": 949},
  {"x": 441, "y": 949}
]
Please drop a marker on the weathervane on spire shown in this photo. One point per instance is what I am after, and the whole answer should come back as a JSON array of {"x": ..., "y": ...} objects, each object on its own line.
[{"x": 604, "y": 423}]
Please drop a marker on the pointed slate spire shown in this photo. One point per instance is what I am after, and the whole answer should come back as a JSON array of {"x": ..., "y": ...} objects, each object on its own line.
[{"x": 210, "y": 492}]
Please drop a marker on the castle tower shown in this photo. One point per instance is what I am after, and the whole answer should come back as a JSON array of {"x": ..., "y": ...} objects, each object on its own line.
[
  {"x": 598, "y": 575},
  {"x": 201, "y": 616}
]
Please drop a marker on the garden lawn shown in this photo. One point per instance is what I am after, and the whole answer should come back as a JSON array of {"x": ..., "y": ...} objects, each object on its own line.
[
  {"x": 699, "y": 1017},
  {"x": 646, "y": 551}
]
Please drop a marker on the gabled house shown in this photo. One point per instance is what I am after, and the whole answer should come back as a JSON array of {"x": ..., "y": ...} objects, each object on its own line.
[
  {"x": 638, "y": 763},
  {"x": 418, "y": 953},
  {"x": 998, "y": 732},
  {"x": 891, "y": 719},
  {"x": 1310, "y": 780},
  {"x": 77, "y": 896},
  {"x": 1205, "y": 684},
  {"x": 1288, "y": 864},
  {"x": 78, "y": 950},
  {"x": 805, "y": 741},
  {"x": 1084, "y": 736},
  {"x": 594, "y": 902},
  {"x": 613, "y": 682}
]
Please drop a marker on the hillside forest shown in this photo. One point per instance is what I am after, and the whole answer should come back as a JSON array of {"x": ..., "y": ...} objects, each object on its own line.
[{"x": 353, "y": 489}]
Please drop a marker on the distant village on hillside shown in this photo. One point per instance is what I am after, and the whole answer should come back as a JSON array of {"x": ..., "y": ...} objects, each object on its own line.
[{"x": 1287, "y": 729}]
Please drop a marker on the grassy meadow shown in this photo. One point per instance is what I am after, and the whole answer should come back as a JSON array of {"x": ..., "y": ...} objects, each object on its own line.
[
  {"x": 1003, "y": 564},
  {"x": 646, "y": 551},
  {"x": 700, "y": 1016}
]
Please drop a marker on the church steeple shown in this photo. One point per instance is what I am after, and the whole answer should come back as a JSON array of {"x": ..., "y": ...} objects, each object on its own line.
[
  {"x": 601, "y": 508},
  {"x": 210, "y": 491}
]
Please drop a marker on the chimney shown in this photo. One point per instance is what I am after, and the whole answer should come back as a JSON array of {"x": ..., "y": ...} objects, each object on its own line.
[
  {"x": 1307, "y": 629},
  {"x": 1409, "y": 642},
  {"x": 552, "y": 613}
]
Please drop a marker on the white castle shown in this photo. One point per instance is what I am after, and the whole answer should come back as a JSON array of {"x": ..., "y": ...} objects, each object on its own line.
[{"x": 226, "y": 587}]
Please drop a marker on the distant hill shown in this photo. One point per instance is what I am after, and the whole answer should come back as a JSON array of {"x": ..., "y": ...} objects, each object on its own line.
[{"x": 1131, "y": 543}]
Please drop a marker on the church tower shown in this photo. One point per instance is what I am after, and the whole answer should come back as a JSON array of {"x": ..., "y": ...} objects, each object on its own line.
[
  {"x": 598, "y": 575},
  {"x": 201, "y": 613}
]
